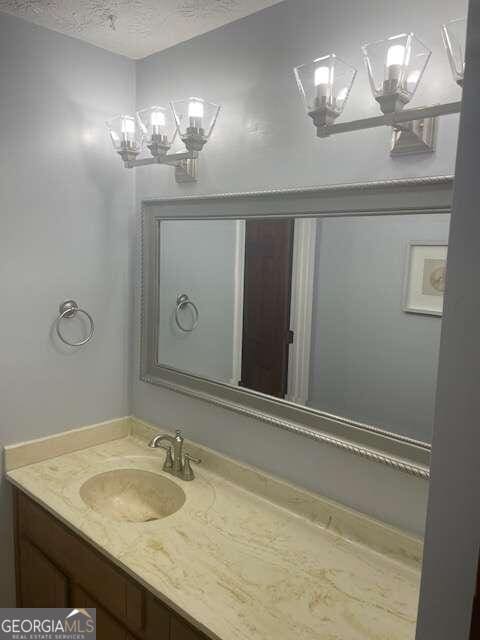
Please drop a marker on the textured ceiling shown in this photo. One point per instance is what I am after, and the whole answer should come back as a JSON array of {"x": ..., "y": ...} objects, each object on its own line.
[{"x": 135, "y": 28}]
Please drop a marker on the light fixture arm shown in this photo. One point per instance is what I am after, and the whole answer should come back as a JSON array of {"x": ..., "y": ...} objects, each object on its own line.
[
  {"x": 391, "y": 119},
  {"x": 413, "y": 130},
  {"x": 171, "y": 159},
  {"x": 186, "y": 164}
]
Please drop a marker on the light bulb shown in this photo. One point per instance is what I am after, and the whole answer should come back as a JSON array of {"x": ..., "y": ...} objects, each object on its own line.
[
  {"x": 396, "y": 55},
  {"x": 157, "y": 119},
  {"x": 323, "y": 80},
  {"x": 195, "y": 113},
  {"x": 128, "y": 126},
  {"x": 398, "y": 59},
  {"x": 127, "y": 129},
  {"x": 195, "y": 109},
  {"x": 322, "y": 76}
]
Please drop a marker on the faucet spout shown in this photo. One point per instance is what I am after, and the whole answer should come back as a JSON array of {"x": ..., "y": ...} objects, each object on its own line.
[
  {"x": 155, "y": 442},
  {"x": 176, "y": 442}
]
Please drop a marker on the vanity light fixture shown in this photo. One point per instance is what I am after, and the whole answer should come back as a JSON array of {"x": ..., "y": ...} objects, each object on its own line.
[
  {"x": 325, "y": 85},
  {"x": 195, "y": 119},
  {"x": 454, "y": 33},
  {"x": 125, "y": 137},
  {"x": 395, "y": 68},
  {"x": 156, "y": 128}
]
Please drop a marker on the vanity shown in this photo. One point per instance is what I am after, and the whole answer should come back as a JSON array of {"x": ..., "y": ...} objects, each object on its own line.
[
  {"x": 57, "y": 568},
  {"x": 233, "y": 554}
]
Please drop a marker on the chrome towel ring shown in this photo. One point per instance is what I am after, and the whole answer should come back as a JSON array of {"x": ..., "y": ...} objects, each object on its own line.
[
  {"x": 69, "y": 309},
  {"x": 184, "y": 301}
]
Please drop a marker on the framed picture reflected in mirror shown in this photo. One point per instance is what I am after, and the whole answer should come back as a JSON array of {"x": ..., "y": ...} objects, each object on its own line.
[{"x": 425, "y": 278}]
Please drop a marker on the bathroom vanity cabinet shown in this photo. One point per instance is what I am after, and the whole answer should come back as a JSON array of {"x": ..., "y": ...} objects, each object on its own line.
[
  {"x": 246, "y": 556},
  {"x": 57, "y": 568}
]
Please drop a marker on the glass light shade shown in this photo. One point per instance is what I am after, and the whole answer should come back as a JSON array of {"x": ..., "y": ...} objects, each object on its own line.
[
  {"x": 454, "y": 36},
  {"x": 126, "y": 136},
  {"x": 395, "y": 67},
  {"x": 158, "y": 129},
  {"x": 325, "y": 85},
  {"x": 195, "y": 119}
]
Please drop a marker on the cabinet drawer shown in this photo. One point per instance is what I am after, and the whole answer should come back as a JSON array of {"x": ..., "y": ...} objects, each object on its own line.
[{"x": 110, "y": 587}]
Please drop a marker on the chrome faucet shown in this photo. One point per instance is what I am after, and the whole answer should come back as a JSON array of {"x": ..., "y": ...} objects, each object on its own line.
[{"x": 179, "y": 464}]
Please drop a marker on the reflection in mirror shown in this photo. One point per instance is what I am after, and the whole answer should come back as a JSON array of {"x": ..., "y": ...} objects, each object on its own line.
[{"x": 341, "y": 315}]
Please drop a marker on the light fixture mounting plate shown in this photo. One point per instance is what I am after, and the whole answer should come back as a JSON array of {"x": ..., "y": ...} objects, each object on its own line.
[
  {"x": 417, "y": 136},
  {"x": 186, "y": 170}
]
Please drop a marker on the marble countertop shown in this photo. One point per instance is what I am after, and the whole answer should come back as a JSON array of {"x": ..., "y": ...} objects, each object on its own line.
[{"x": 235, "y": 564}]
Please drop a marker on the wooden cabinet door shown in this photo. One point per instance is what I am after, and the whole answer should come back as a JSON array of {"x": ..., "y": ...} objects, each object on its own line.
[
  {"x": 107, "y": 627},
  {"x": 157, "y": 620},
  {"x": 182, "y": 631},
  {"x": 41, "y": 583},
  {"x": 83, "y": 564}
]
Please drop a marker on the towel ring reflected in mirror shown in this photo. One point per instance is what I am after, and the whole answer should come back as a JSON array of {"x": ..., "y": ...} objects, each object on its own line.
[
  {"x": 184, "y": 301},
  {"x": 70, "y": 309}
]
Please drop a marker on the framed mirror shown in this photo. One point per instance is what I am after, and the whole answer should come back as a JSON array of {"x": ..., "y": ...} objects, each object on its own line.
[{"x": 316, "y": 310}]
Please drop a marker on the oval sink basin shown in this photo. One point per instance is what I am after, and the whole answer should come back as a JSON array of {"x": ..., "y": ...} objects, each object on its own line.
[{"x": 131, "y": 495}]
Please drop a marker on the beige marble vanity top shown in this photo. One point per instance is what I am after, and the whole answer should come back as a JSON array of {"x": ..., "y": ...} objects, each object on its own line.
[{"x": 237, "y": 565}]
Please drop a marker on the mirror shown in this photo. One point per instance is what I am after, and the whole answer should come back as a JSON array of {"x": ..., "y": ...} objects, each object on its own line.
[
  {"x": 317, "y": 312},
  {"x": 326, "y": 322}
]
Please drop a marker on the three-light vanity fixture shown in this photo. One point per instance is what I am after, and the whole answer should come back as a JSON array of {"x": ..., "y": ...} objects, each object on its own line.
[
  {"x": 157, "y": 128},
  {"x": 395, "y": 67}
]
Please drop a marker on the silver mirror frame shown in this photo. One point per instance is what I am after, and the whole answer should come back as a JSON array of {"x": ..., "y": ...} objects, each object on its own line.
[{"x": 397, "y": 197}]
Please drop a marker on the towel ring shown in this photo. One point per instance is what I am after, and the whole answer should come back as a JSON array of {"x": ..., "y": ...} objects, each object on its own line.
[
  {"x": 184, "y": 301},
  {"x": 69, "y": 309}
]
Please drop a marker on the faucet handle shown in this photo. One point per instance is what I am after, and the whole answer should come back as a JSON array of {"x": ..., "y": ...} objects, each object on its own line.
[
  {"x": 168, "y": 464},
  {"x": 187, "y": 473},
  {"x": 178, "y": 433}
]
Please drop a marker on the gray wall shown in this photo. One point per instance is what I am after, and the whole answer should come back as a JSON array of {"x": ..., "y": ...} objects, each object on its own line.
[
  {"x": 371, "y": 361},
  {"x": 452, "y": 539},
  {"x": 265, "y": 140},
  {"x": 198, "y": 258},
  {"x": 66, "y": 206}
]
